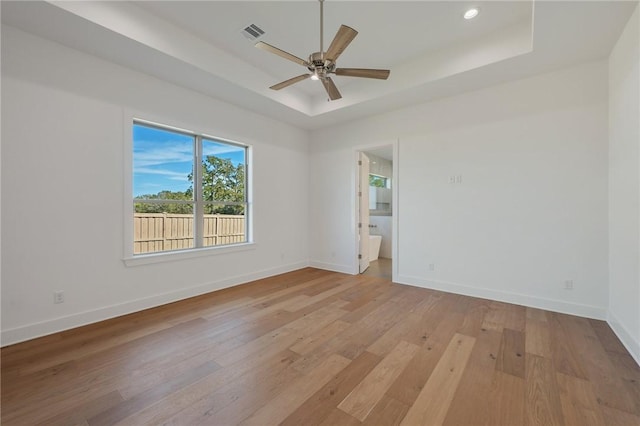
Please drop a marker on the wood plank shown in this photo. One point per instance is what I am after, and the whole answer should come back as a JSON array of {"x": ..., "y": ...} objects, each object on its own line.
[
  {"x": 474, "y": 314},
  {"x": 511, "y": 354},
  {"x": 315, "y": 410},
  {"x": 542, "y": 396},
  {"x": 130, "y": 406},
  {"x": 283, "y": 404},
  {"x": 410, "y": 383},
  {"x": 345, "y": 285},
  {"x": 566, "y": 356},
  {"x": 409, "y": 329},
  {"x": 79, "y": 415},
  {"x": 195, "y": 401},
  {"x": 502, "y": 403},
  {"x": 309, "y": 343},
  {"x": 536, "y": 314},
  {"x": 538, "y": 338},
  {"x": 376, "y": 324},
  {"x": 284, "y": 336},
  {"x": 607, "y": 337},
  {"x": 613, "y": 417},
  {"x": 471, "y": 404},
  {"x": 388, "y": 412},
  {"x": 358, "y": 314},
  {"x": 434, "y": 400},
  {"x": 369, "y": 391},
  {"x": 339, "y": 417},
  {"x": 354, "y": 340},
  {"x": 579, "y": 404},
  {"x": 230, "y": 403},
  {"x": 608, "y": 385},
  {"x": 507, "y": 400},
  {"x": 501, "y": 315}
]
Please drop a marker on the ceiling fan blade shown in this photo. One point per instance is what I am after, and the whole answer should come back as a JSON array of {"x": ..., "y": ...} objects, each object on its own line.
[
  {"x": 290, "y": 82},
  {"x": 363, "y": 72},
  {"x": 331, "y": 88},
  {"x": 269, "y": 48},
  {"x": 343, "y": 37}
]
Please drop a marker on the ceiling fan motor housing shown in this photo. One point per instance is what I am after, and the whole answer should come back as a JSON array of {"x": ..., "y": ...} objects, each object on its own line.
[{"x": 320, "y": 65}]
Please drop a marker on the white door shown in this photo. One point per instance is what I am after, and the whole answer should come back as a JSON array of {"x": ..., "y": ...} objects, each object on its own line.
[{"x": 363, "y": 211}]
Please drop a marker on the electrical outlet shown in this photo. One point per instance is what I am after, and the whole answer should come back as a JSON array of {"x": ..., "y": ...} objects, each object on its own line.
[
  {"x": 58, "y": 296},
  {"x": 432, "y": 267},
  {"x": 568, "y": 285}
]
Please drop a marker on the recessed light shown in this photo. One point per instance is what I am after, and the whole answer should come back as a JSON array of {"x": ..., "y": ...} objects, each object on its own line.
[{"x": 471, "y": 13}]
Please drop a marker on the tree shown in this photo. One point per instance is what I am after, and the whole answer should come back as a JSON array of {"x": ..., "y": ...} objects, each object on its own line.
[
  {"x": 221, "y": 182},
  {"x": 165, "y": 208},
  {"x": 377, "y": 181}
]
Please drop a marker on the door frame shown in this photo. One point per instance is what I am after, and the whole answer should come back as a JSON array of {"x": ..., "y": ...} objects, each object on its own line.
[
  {"x": 363, "y": 211},
  {"x": 355, "y": 200}
]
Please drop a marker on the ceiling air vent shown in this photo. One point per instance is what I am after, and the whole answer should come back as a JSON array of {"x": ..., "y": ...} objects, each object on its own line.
[{"x": 253, "y": 32}]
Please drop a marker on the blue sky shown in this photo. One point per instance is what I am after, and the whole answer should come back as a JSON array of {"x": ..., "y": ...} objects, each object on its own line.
[{"x": 162, "y": 159}]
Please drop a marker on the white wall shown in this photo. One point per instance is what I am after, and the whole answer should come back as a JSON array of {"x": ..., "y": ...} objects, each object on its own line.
[
  {"x": 530, "y": 212},
  {"x": 63, "y": 185},
  {"x": 624, "y": 187}
]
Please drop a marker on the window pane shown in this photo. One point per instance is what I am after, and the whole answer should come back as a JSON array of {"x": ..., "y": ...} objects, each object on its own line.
[
  {"x": 161, "y": 229},
  {"x": 378, "y": 181},
  {"x": 224, "y": 228},
  {"x": 223, "y": 172},
  {"x": 162, "y": 164}
]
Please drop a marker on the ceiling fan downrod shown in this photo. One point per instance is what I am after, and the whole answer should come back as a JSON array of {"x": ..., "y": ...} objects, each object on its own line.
[{"x": 321, "y": 28}]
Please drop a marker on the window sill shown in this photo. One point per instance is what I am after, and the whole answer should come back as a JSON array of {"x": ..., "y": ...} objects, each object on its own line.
[{"x": 146, "y": 259}]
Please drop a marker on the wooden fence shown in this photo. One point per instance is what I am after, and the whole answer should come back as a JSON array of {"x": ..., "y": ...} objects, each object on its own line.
[{"x": 155, "y": 232}]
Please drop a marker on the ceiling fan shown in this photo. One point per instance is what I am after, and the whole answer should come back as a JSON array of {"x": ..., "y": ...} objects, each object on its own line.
[{"x": 322, "y": 63}]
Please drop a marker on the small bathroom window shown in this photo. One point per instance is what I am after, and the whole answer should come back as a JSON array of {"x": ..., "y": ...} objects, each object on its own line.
[
  {"x": 378, "y": 181},
  {"x": 379, "y": 195}
]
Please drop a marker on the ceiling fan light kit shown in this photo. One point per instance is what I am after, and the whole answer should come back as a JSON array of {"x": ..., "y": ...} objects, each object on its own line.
[
  {"x": 471, "y": 13},
  {"x": 322, "y": 63}
]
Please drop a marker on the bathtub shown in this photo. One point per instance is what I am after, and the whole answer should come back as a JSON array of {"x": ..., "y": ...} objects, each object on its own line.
[{"x": 374, "y": 247}]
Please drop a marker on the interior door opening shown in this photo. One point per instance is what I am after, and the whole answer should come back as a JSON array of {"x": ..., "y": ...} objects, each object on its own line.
[{"x": 375, "y": 215}]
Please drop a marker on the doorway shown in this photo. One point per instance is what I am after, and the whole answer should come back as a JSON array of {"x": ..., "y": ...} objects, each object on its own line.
[{"x": 376, "y": 210}]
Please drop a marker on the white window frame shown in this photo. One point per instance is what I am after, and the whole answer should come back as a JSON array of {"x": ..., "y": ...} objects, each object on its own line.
[{"x": 130, "y": 119}]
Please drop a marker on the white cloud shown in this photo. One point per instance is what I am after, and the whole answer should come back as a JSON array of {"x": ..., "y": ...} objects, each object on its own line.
[
  {"x": 153, "y": 154},
  {"x": 169, "y": 173}
]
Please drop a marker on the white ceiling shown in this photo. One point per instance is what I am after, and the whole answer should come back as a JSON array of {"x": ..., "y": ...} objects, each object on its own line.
[
  {"x": 389, "y": 33},
  {"x": 432, "y": 52}
]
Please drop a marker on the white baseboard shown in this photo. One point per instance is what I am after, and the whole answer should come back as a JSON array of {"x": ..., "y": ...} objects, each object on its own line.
[
  {"x": 587, "y": 311},
  {"x": 345, "y": 269},
  {"x": 629, "y": 342},
  {"x": 31, "y": 331}
]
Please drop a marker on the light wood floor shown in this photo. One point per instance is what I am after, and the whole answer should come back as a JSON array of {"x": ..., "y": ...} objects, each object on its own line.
[
  {"x": 380, "y": 268},
  {"x": 316, "y": 347}
]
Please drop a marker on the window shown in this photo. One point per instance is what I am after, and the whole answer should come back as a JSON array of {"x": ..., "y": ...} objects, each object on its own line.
[
  {"x": 379, "y": 193},
  {"x": 177, "y": 206},
  {"x": 379, "y": 181}
]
